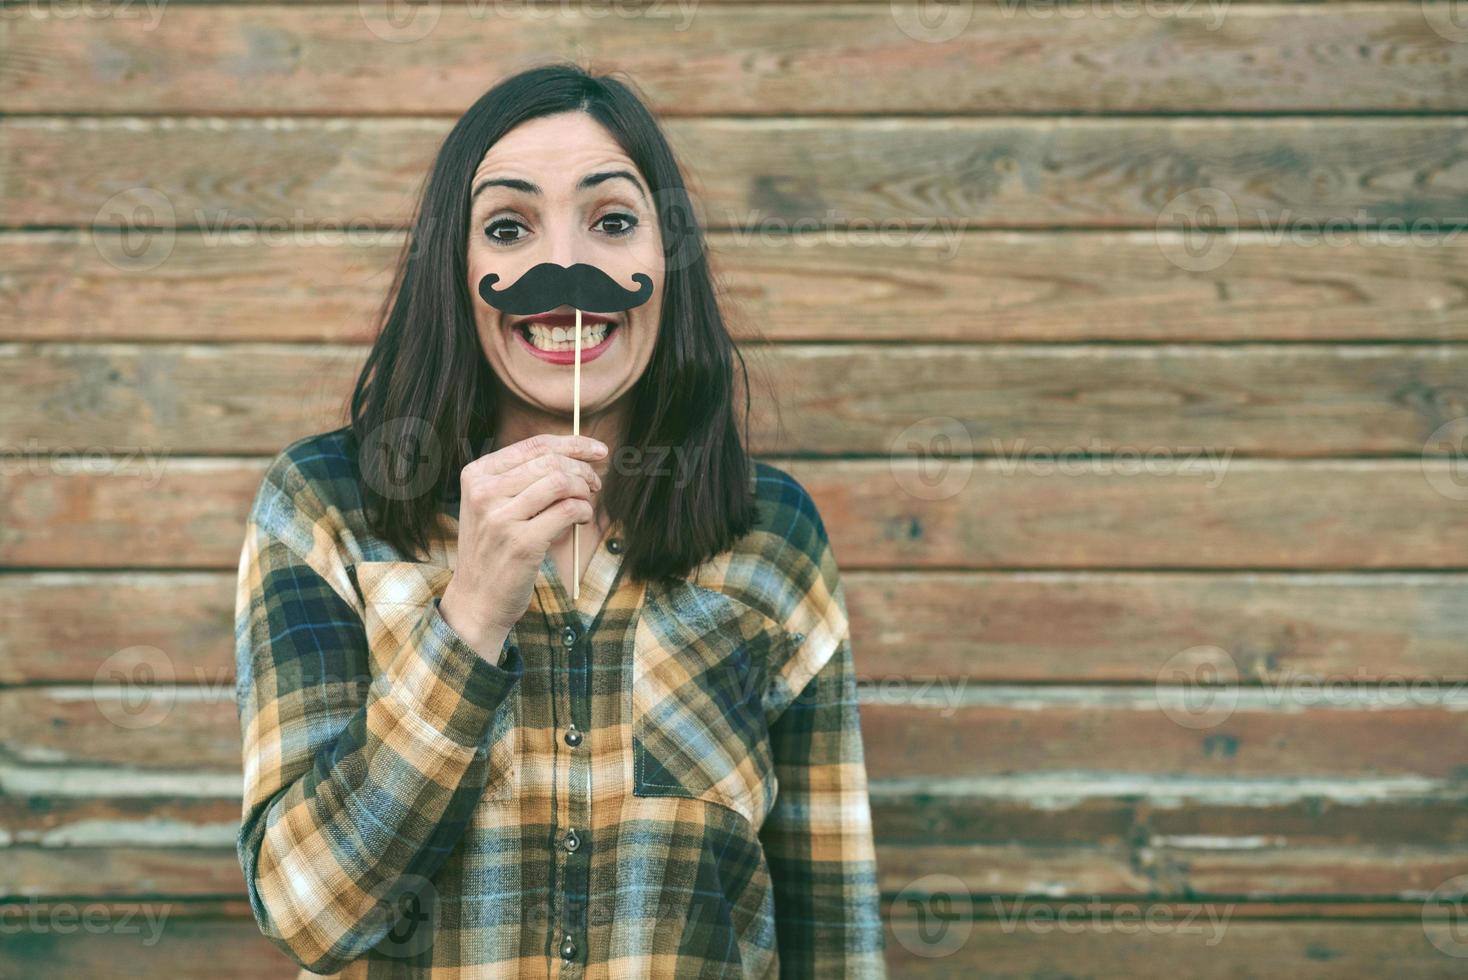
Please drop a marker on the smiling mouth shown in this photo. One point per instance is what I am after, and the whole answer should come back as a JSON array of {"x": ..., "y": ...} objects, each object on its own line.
[
  {"x": 556, "y": 333},
  {"x": 560, "y": 339}
]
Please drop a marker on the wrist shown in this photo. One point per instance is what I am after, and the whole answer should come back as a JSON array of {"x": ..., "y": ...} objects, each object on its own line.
[{"x": 485, "y": 639}]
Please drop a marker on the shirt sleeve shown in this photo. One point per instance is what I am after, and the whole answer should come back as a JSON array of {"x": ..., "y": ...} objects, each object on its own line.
[
  {"x": 356, "y": 787},
  {"x": 818, "y": 836}
]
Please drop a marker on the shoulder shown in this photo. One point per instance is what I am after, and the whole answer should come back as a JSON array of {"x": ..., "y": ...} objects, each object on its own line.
[
  {"x": 784, "y": 566},
  {"x": 789, "y": 530},
  {"x": 313, "y": 481},
  {"x": 787, "y": 514},
  {"x": 802, "y": 589},
  {"x": 323, "y": 465}
]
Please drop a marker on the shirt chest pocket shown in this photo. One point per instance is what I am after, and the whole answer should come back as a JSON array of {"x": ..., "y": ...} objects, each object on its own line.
[
  {"x": 699, "y": 670},
  {"x": 396, "y": 595}
]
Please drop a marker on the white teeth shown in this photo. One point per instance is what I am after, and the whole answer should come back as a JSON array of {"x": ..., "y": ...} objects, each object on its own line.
[{"x": 564, "y": 338}]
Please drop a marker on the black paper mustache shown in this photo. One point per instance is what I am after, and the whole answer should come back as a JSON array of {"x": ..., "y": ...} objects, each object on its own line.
[{"x": 548, "y": 286}]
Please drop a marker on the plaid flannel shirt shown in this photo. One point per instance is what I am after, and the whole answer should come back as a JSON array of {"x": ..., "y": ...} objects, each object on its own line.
[{"x": 658, "y": 780}]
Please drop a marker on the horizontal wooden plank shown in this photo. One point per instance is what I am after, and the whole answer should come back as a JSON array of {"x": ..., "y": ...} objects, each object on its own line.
[
  {"x": 762, "y": 60},
  {"x": 121, "y": 872},
  {"x": 286, "y": 176},
  {"x": 1272, "y": 818},
  {"x": 64, "y": 627},
  {"x": 147, "y": 512},
  {"x": 152, "y": 395},
  {"x": 1035, "y": 938},
  {"x": 58, "y": 807},
  {"x": 125, "y": 872},
  {"x": 1020, "y": 626},
  {"x": 126, "y": 512},
  {"x": 1226, "y": 733},
  {"x": 936, "y": 730},
  {"x": 1264, "y": 514},
  {"x": 1125, "y": 945},
  {"x": 158, "y": 937},
  {"x": 1122, "y": 845},
  {"x": 973, "y": 286},
  {"x": 1127, "y": 627},
  {"x": 1020, "y": 404}
]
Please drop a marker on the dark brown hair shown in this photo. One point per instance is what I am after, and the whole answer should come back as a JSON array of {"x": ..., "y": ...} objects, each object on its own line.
[{"x": 426, "y": 376}]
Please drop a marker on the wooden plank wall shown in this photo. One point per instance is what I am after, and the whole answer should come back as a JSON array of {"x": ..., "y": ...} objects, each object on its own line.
[{"x": 1155, "y": 535}]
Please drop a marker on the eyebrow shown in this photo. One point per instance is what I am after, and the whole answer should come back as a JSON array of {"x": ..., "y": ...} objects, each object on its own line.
[{"x": 590, "y": 180}]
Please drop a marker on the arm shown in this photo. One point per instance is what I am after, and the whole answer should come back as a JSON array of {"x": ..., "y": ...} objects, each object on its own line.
[
  {"x": 818, "y": 837},
  {"x": 355, "y": 785}
]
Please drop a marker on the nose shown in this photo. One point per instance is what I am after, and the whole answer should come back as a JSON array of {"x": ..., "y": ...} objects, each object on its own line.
[{"x": 564, "y": 246}]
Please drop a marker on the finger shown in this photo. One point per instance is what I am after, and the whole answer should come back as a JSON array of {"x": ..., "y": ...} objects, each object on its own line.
[
  {"x": 503, "y": 460},
  {"x": 545, "y": 492},
  {"x": 552, "y": 522},
  {"x": 514, "y": 482}
]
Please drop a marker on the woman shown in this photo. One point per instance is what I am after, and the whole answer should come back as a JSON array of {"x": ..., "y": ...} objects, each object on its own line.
[{"x": 454, "y": 768}]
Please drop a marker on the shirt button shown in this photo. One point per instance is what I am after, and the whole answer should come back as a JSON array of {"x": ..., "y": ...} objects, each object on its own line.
[
  {"x": 573, "y": 736},
  {"x": 572, "y": 841},
  {"x": 568, "y": 636},
  {"x": 615, "y": 546},
  {"x": 568, "y": 948}
]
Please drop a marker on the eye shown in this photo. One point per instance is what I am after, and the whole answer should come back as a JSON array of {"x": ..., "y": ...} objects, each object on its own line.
[
  {"x": 626, "y": 221},
  {"x": 493, "y": 230}
]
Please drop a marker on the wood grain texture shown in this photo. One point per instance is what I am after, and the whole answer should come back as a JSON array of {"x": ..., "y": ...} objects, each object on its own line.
[
  {"x": 140, "y": 939},
  {"x": 1010, "y": 229},
  {"x": 932, "y": 731},
  {"x": 1179, "y": 405},
  {"x": 1040, "y": 937},
  {"x": 74, "y": 513},
  {"x": 1035, "y": 627},
  {"x": 287, "y": 177},
  {"x": 1140, "y": 846},
  {"x": 693, "y": 59},
  {"x": 970, "y": 286},
  {"x": 65, "y": 627},
  {"x": 1326, "y": 950},
  {"x": 986, "y": 869},
  {"x": 1265, "y": 514}
]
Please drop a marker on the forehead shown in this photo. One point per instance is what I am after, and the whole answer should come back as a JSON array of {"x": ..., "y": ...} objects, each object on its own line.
[{"x": 553, "y": 151}]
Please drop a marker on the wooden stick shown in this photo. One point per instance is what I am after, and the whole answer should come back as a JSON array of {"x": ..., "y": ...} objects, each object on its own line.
[{"x": 576, "y": 431}]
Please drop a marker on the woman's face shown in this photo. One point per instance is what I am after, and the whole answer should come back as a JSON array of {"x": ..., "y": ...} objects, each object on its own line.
[{"x": 559, "y": 189}]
